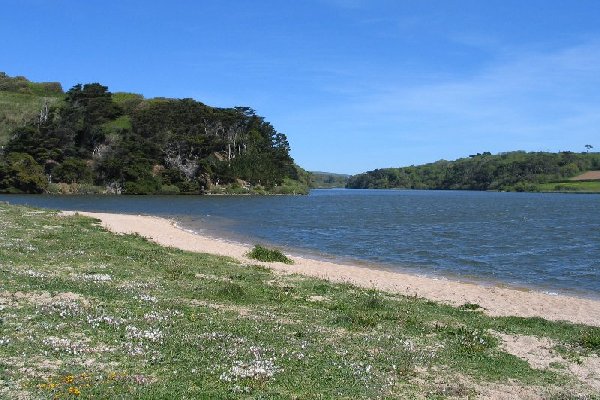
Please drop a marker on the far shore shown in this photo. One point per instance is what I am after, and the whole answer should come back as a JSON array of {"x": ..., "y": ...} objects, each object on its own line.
[{"x": 494, "y": 300}]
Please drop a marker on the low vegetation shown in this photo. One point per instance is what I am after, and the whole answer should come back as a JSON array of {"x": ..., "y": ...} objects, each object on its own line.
[
  {"x": 261, "y": 253},
  {"x": 85, "y": 313},
  {"x": 513, "y": 171}
]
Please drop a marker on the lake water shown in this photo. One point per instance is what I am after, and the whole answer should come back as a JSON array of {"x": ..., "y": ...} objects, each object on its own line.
[{"x": 549, "y": 242}]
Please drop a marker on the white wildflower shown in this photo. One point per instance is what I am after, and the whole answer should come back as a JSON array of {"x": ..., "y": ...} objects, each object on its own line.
[
  {"x": 64, "y": 308},
  {"x": 34, "y": 274},
  {"x": 155, "y": 316},
  {"x": 65, "y": 345},
  {"x": 104, "y": 319},
  {"x": 260, "y": 368},
  {"x": 153, "y": 335},
  {"x": 146, "y": 297},
  {"x": 96, "y": 277}
]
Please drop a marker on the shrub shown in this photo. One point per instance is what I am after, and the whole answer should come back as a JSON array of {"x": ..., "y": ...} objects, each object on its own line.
[
  {"x": 230, "y": 291},
  {"x": 261, "y": 253},
  {"x": 144, "y": 185},
  {"x": 590, "y": 339},
  {"x": 470, "y": 306},
  {"x": 169, "y": 189},
  {"x": 22, "y": 173},
  {"x": 372, "y": 301},
  {"x": 72, "y": 170}
]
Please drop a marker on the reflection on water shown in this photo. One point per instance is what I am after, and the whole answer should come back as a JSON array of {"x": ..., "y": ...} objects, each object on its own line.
[{"x": 547, "y": 241}]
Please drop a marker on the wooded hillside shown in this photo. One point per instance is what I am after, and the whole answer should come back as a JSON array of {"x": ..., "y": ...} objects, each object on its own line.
[
  {"x": 512, "y": 171},
  {"x": 92, "y": 139}
]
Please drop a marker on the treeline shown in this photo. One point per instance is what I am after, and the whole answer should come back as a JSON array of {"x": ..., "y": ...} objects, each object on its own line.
[
  {"x": 512, "y": 171},
  {"x": 327, "y": 180},
  {"x": 123, "y": 143}
]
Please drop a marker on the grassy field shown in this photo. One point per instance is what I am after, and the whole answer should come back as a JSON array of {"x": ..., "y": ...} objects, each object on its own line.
[
  {"x": 588, "y": 187},
  {"x": 86, "y": 313},
  {"x": 16, "y": 109}
]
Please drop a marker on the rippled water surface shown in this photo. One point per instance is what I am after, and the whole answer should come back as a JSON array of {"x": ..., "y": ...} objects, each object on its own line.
[{"x": 546, "y": 241}]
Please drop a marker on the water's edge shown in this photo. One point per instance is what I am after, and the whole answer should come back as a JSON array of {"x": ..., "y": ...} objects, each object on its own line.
[
  {"x": 314, "y": 254},
  {"x": 533, "y": 242}
]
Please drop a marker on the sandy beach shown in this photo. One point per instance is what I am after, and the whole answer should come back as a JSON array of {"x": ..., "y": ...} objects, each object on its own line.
[{"x": 496, "y": 301}]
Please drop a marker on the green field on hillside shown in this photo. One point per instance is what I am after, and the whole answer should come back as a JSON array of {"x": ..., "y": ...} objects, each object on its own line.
[
  {"x": 17, "y": 109},
  {"x": 586, "y": 187}
]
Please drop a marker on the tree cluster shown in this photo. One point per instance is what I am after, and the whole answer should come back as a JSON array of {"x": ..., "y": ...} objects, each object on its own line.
[
  {"x": 137, "y": 146},
  {"x": 327, "y": 180},
  {"x": 512, "y": 171}
]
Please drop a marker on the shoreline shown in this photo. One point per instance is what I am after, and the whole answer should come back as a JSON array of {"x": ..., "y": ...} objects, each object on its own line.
[
  {"x": 315, "y": 256},
  {"x": 495, "y": 300}
]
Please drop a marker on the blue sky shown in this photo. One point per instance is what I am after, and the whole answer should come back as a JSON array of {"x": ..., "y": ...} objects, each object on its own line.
[{"x": 354, "y": 84}]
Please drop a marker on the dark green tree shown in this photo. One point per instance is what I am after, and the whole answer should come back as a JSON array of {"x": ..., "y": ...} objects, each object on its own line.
[
  {"x": 72, "y": 170},
  {"x": 87, "y": 107},
  {"x": 21, "y": 173}
]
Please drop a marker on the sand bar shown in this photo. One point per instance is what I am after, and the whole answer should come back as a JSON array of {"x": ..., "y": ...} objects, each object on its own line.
[{"x": 497, "y": 301}]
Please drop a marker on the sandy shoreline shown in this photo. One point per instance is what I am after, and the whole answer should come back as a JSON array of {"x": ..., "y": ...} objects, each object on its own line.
[{"x": 497, "y": 301}]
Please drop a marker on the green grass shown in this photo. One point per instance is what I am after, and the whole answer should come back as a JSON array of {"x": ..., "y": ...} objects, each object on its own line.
[
  {"x": 121, "y": 123},
  {"x": 85, "y": 312},
  {"x": 46, "y": 89},
  {"x": 127, "y": 101},
  {"x": 261, "y": 253},
  {"x": 590, "y": 339},
  {"x": 591, "y": 187},
  {"x": 16, "y": 109},
  {"x": 470, "y": 306}
]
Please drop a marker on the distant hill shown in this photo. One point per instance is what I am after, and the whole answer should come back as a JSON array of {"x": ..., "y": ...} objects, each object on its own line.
[
  {"x": 91, "y": 140},
  {"x": 511, "y": 171},
  {"x": 327, "y": 180}
]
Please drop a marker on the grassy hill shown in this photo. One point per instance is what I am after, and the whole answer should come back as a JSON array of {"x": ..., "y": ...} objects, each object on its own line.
[{"x": 17, "y": 109}]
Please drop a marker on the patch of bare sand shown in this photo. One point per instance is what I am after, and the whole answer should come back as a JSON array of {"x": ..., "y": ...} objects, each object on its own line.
[
  {"x": 41, "y": 298},
  {"x": 497, "y": 301},
  {"x": 464, "y": 387},
  {"x": 246, "y": 312},
  {"x": 539, "y": 354},
  {"x": 499, "y": 391},
  {"x": 588, "y": 371}
]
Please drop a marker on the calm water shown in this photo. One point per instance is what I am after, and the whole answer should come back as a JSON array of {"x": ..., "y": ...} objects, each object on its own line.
[{"x": 545, "y": 241}]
